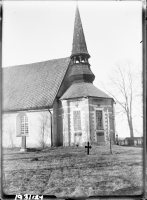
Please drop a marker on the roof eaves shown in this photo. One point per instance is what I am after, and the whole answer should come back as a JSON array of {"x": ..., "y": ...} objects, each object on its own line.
[
  {"x": 86, "y": 97},
  {"x": 101, "y": 97},
  {"x": 27, "y": 109}
]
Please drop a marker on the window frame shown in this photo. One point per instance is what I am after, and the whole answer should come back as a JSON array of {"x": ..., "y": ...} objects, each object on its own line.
[
  {"x": 78, "y": 130},
  {"x": 19, "y": 126},
  {"x": 24, "y": 130},
  {"x": 99, "y": 130}
]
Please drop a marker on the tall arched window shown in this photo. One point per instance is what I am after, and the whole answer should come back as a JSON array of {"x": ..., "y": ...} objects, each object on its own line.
[
  {"x": 99, "y": 125},
  {"x": 77, "y": 127},
  {"x": 99, "y": 120},
  {"x": 22, "y": 125},
  {"x": 77, "y": 120}
]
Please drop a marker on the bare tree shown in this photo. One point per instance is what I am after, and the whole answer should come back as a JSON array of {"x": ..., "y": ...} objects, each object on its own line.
[
  {"x": 44, "y": 123},
  {"x": 125, "y": 84},
  {"x": 8, "y": 128}
]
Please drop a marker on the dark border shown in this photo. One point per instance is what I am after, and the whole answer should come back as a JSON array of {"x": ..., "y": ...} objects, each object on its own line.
[{"x": 144, "y": 29}]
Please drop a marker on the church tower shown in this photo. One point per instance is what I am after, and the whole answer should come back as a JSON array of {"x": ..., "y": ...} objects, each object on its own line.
[
  {"x": 87, "y": 111},
  {"x": 80, "y": 65}
]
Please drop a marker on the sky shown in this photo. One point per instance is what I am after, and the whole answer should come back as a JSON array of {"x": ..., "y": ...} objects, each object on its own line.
[{"x": 35, "y": 31}]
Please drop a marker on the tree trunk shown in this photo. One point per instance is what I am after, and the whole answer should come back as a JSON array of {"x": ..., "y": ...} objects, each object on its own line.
[
  {"x": 110, "y": 145},
  {"x": 131, "y": 131}
]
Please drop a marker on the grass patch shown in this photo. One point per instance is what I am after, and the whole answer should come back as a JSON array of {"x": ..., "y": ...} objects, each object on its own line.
[{"x": 69, "y": 171}]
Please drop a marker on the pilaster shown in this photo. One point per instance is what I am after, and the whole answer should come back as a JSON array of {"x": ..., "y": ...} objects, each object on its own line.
[
  {"x": 55, "y": 124},
  {"x": 66, "y": 123}
]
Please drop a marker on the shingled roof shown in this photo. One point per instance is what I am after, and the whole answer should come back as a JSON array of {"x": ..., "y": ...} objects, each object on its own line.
[
  {"x": 83, "y": 89},
  {"x": 32, "y": 86}
]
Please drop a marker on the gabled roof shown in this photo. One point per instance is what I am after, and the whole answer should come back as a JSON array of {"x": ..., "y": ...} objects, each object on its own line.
[
  {"x": 83, "y": 89},
  {"x": 32, "y": 86},
  {"x": 79, "y": 44}
]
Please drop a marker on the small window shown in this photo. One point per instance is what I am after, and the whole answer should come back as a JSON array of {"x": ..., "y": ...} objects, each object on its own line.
[
  {"x": 77, "y": 120},
  {"x": 99, "y": 120},
  {"x": 24, "y": 125}
]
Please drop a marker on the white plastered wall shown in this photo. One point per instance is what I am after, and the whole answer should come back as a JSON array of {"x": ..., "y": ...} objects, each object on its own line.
[{"x": 37, "y": 120}]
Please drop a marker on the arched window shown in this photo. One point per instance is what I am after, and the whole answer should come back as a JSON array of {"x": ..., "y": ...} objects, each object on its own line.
[
  {"x": 99, "y": 120},
  {"x": 77, "y": 127},
  {"x": 22, "y": 125},
  {"x": 77, "y": 120},
  {"x": 99, "y": 125}
]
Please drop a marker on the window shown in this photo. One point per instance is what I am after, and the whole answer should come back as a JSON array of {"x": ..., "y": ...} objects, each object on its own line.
[
  {"x": 24, "y": 125},
  {"x": 77, "y": 120},
  {"x": 99, "y": 120}
]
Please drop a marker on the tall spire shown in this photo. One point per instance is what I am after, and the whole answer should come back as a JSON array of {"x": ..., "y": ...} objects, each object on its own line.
[
  {"x": 80, "y": 71},
  {"x": 79, "y": 46}
]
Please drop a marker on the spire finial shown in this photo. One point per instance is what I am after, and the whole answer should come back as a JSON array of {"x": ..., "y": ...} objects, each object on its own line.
[{"x": 77, "y": 4}]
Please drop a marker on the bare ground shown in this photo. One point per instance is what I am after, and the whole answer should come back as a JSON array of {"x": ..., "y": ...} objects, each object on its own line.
[{"x": 70, "y": 172}]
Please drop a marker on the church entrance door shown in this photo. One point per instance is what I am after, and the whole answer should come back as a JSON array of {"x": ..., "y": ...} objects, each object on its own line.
[{"x": 78, "y": 139}]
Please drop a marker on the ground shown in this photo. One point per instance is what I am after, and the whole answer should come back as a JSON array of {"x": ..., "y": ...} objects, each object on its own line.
[{"x": 70, "y": 172}]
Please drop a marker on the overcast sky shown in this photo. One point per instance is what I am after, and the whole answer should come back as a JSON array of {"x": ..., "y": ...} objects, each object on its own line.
[{"x": 35, "y": 31}]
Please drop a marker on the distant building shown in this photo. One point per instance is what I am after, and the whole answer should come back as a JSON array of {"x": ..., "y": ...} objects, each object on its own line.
[
  {"x": 137, "y": 141},
  {"x": 55, "y": 102}
]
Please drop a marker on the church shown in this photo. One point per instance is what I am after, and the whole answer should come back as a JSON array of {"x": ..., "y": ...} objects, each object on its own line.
[{"x": 54, "y": 102}]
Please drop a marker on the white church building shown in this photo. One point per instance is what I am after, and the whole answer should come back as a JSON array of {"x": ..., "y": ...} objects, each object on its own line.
[{"x": 54, "y": 102}]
